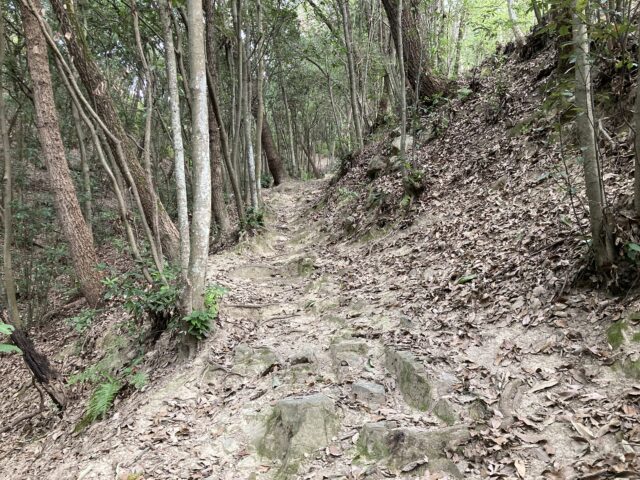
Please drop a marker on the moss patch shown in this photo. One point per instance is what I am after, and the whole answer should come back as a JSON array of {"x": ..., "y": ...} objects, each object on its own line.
[{"x": 615, "y": 333}]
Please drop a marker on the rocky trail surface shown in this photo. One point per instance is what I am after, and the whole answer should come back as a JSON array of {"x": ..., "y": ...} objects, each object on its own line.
[{"x": 321, "y": 368}]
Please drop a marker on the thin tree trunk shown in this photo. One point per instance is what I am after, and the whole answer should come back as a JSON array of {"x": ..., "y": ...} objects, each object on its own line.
[
  {"x": 147, "y": 127},
  {"x": 292, "y": 142},
  {"x": 513, "y": 19},
  {"x": 7, "y": 217},
  {"x": 87, "y": 203},
  {"x": 458, "y": 51},
  {"x": 215, "y": 147},
  {"x": 602, "y": 239},
  {"x": 348, "y": 41},
  {"x": 403, "y": 81},
  {"x": 176, "y": 130},
  {"x": 260, "y": 115},
  {"x": 94, "y": 82},
  {"x": 201, "y": 219},
  {"x": 636, "y": 119},
  {"x": 66, "y": 201}
]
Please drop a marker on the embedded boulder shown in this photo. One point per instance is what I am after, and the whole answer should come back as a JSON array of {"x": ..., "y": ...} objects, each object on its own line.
[
  {"x": 298, "y": 426},
  {"x": 418, "y": 388},
  {"x": 410, "y": 449},
  {"x": 256, "y": 361},
  {"x": 368, "y": 393},
  {"x": 376, "y": 166}
]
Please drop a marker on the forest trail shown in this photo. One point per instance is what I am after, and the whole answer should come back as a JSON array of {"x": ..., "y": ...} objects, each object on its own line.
[{"x": 316, "y": 371}]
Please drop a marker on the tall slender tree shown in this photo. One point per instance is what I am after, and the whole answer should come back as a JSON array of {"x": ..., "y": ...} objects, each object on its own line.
[
  {"x": 201, "y": 219},
  {"x": 68, "y": 210}
]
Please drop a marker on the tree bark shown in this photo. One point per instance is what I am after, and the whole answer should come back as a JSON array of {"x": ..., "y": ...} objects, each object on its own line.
[
  {"x": 176, "y": 130},
  {"x": 95, "y": 83},
  {"x": 601, "y": 233},
  {"x": 418, "y": 73},
  {"x": 68, "y": 209},
  {"x": 636, "y": 179},
  {"x": 276, "y": 167},
  {"x": 218, "y": 205},
  {"x": 201, "y": 219},
  {"x": 348, "y": 41},
  {"x": 513, "y": 19}
]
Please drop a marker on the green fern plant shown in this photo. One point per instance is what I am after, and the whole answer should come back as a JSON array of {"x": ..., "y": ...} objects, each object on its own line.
[
  {"x": 6, "y": 329},
  {"x": 100, "y": 402}
]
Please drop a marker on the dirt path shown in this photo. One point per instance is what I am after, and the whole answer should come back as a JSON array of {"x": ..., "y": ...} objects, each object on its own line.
[{"x": 320, "y": 368}]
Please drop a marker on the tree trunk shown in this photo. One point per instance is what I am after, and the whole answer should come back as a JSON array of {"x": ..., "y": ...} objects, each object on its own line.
[
  {"x": 276, "y": 167},
  {"x": 636, "y": 119},
  {"x": 417, "y": 70},
  {"x": 201, "y": 219},
  {"x": 68, "y": 209},
  {"x": 602, "y": 238},
  {"x": 460, "y": 37},
  {"x": 87, "y": 203},
  {"x": 292, "y": 143},
  {"x": 176, "y": 130},
  {"x": 513, "y": 19},
  {"x": 215, "y": 146},
  {"x": 348, "y": 41},
  {"x": 403, "y": 81},
  {"x": 94, "y": 82}
]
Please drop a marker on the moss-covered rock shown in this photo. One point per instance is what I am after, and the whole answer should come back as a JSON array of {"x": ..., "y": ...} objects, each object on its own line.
[
  {"x": 399, "y": 447},
  {"x": 255, "y": 361},
  {"x": 413, "y": 381},
  {"x": 298, "y": 426},
  {"x": 616, "y": 333}
]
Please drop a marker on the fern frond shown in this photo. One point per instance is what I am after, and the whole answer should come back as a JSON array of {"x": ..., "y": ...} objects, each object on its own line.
[{"x": 102, "y": 399}]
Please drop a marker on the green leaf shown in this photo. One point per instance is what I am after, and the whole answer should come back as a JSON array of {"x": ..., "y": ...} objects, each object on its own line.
[
  {"x": 4, "y": 348},
  {"x": 466, "y": 279},
  {"x": 6, "y": 329}
]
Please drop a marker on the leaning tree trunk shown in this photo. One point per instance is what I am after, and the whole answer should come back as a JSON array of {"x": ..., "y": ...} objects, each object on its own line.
[
  {"x": 94, "y": 82},
  {"x": 276, "y": 167},
  {"x": 418, "y": 72},
  {"x": 66, "y": 202},
  {"x": 602, "y": 238},
  {"x": 201, "y": 219}
]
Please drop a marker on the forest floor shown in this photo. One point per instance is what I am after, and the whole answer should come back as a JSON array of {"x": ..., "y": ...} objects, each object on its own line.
[{"x": 306, "y": 314}]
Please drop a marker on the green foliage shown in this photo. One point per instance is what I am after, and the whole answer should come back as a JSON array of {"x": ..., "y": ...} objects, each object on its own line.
[
  {"x": 464, "y": 93},
  {"x": 6, "y": 329},
  {"x": 198, "y": 323},
  {"x": 266, "y": 180},
  {"x": 632, "y": 250},
  {"x": 81, "y": 322},
  {"x": 158, "y": 300},
  {"x": 345, "y": 195},
  {"x": 254, "y": 219},
  {"x": 100, "y": 402},
  {"x": 138, "y": 380}
]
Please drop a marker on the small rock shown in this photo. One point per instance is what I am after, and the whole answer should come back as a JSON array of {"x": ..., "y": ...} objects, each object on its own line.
[
  {"x": 368, "y": 393},
  {"x": 377, "y": 165},
  {"x": 302, "y": 358},
  {"x": 395, "y": 145}
]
